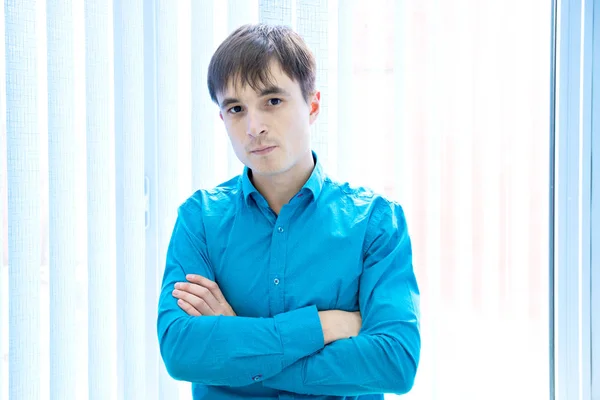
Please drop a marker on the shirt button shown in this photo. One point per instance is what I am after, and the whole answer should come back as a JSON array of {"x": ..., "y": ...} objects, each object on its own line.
[
  {"x": 256, "y": 378},
  {"x": 280, "y": 229},
  {"x": 276, "y": 281}
]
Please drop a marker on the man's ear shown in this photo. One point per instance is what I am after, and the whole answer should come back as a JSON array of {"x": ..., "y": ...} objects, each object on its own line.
[
  {"x": 221, "y": 115},
  {"x": 315, "y": 106}
]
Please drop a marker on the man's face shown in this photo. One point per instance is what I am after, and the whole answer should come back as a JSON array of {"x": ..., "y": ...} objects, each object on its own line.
[{"x": 269, "y": 129}]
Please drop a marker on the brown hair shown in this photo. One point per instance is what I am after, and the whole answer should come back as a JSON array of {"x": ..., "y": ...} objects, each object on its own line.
[{"x": 246, "y": 53}]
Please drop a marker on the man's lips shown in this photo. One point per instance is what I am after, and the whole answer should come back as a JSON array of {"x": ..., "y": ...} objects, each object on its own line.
[{"x": 263, "y": 149}]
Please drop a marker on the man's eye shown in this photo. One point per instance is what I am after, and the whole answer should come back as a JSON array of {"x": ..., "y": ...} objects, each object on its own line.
[
  {"x": 235, "y": 110},
  {"x": 274, "y": 102}
]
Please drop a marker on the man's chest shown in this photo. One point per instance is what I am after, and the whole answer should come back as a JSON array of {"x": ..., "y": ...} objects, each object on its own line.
[{"x": 271, "y": 268}]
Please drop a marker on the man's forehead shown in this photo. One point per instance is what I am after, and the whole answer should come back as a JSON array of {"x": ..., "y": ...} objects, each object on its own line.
[{"x": 237, "y": 87}]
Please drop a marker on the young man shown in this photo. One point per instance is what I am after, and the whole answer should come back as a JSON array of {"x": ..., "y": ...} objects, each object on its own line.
[{"x": 282, "y": 283}]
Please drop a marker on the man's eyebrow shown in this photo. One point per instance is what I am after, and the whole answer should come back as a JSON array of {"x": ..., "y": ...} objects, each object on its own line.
[
  {"x": 227, "y": 101},
  {"x": 273, "y": 90}
]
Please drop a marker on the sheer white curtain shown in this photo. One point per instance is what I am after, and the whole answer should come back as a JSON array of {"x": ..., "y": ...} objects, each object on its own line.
[{"x": 107, "y": 127}]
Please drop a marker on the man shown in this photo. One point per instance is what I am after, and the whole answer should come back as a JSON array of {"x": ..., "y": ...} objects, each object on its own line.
[{"x": 282, "y": 283}]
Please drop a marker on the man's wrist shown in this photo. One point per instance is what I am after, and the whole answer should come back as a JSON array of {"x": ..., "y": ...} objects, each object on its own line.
[
  {"x": 338, "y": 324},
  {"x": 334, "y": 324},
  {"x": 327, "y": 326}
]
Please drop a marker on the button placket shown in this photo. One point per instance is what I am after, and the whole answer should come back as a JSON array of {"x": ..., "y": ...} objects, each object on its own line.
[
  {"x": 277, "y": 265},
  {"x": 280, "y": 235}
]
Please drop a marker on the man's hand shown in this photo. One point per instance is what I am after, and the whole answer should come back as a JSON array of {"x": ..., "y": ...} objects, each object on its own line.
[
  {"x": 339, "y": 324},
  {"x": 200, "y": 296}
]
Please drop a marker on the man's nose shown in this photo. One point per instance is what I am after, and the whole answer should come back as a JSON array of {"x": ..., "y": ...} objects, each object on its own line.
[{"x": 255, "y": 124}]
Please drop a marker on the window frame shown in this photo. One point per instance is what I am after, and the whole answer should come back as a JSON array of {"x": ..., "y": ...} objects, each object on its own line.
[{"x": 575, "y": 223}]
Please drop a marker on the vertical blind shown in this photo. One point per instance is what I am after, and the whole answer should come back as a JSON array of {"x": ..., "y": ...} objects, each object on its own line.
[
  {"x": 107, "y": 126},
  {"x": 100, "y": 187}
]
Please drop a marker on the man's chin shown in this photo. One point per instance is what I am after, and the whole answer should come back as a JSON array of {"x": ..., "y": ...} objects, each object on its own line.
[{"x": 267, "y": 170}]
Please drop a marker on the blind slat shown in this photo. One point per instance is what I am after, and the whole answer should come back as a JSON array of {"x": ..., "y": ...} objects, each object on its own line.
[
  {"x": 24, "y": 205},
  {"x": 312, "y": 20},
  {"x": 3, "y": 235},
  {"x": 129, "y": 167},
  {"x": 346, "y": 142},
  {"x": 62, "y": 157},
  {"x": 167, "y": 95},
  {"x": 204, "y": 111},
  {"x": 102, "y": 301}
]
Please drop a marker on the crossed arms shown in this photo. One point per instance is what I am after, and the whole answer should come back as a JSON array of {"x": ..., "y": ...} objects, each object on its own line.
[{"x": 291, "y": 351}]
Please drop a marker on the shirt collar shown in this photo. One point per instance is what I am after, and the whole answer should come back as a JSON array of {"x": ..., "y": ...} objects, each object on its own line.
[{"x": 314, "y": 184}]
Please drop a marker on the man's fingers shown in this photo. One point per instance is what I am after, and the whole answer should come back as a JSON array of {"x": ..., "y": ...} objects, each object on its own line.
[
  {"x": 208, "y": 292},
  {"x": 201, "y": 292},
  {"x": 195, "y": 301},
  {"x": 188, "y": 308},
  {"x": 210, "y": 285}
]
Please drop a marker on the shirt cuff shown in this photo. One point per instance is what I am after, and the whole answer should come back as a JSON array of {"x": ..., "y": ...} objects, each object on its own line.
[{"x": 301, "y": 333}]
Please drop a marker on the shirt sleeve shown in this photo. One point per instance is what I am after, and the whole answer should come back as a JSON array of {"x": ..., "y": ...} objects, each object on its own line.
[
  {"x": 384, "y": 357},
  {"x": 221, "y": 350}
]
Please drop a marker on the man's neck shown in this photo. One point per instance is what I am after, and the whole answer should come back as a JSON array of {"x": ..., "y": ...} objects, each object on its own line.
[{"x": 278, "y": 190}]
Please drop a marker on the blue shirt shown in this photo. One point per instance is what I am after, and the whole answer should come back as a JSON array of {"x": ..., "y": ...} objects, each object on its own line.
[{"x": 333, "y": 246}]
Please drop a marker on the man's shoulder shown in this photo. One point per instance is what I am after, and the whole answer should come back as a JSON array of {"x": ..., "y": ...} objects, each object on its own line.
[
  {"x": 379, "y": 214},
  {"x": 357, "y": 195},
  {"x": 214, "y": 199}
]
